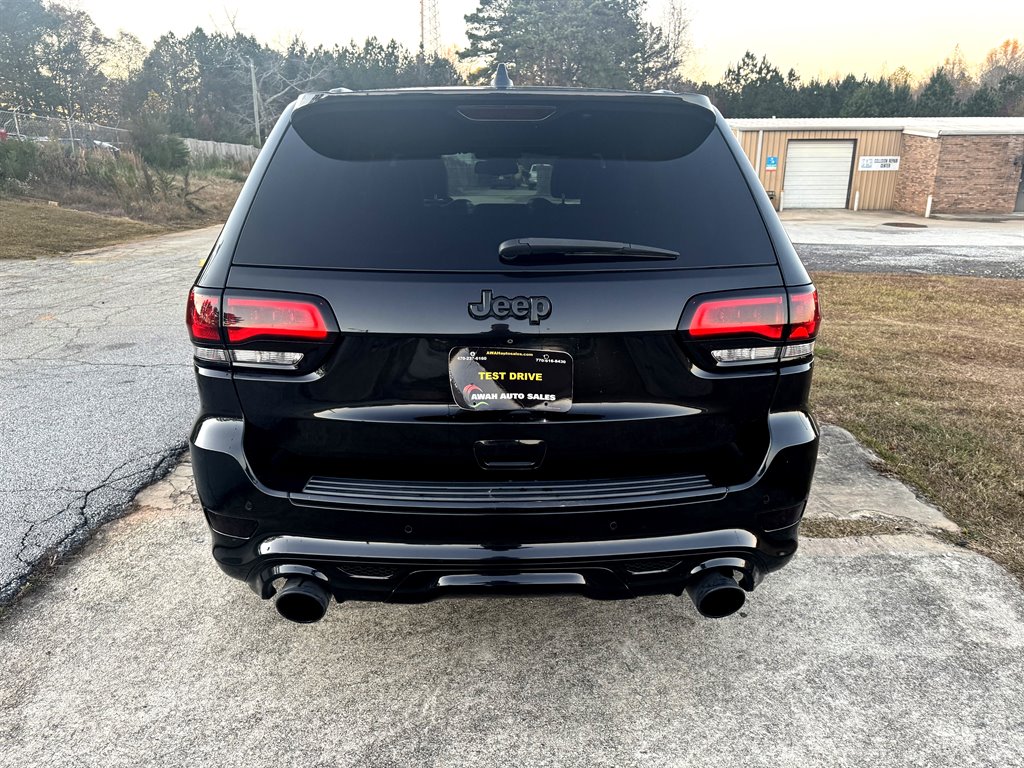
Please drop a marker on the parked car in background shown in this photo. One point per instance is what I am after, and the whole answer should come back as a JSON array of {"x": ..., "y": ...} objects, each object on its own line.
[{"x": 531, "y": 179}]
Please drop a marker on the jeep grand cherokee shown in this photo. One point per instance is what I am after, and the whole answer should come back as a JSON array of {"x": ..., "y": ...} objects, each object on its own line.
[{"x": 502, "y": 340}]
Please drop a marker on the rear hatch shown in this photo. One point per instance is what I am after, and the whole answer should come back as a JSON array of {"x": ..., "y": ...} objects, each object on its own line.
[{"x": 433, "y": 229}]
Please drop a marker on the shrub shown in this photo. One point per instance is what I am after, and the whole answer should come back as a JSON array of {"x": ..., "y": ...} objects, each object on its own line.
[
  {"x": 122, "y": 175},
  {"x": 156, "y": 146},
  {"x": 96, "y": 178},
  {"x": 94, "y": 174},
  {"x": 17, "y": 161}
]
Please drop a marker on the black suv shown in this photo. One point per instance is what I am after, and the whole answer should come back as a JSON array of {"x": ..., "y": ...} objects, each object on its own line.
[{"x": 502, "y": 340}]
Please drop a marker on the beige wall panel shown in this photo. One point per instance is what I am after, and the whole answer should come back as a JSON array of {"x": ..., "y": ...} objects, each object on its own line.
[{"x": 876, "y": 187}]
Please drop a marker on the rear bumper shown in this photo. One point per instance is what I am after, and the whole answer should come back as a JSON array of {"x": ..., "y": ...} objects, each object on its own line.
[
  {"x": 407, "y": 551},
  {"x": 396, "y": 572}
]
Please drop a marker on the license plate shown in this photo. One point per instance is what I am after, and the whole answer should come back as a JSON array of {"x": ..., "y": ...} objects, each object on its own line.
[{"x": 495, "y": 379}]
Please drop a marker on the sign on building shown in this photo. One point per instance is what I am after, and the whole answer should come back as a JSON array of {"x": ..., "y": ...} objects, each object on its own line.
[
  {"x": 875, "y": 163},
  {"x": 771, "y": 163}
]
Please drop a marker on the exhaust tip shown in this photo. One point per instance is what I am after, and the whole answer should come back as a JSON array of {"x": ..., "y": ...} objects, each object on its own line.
[
  {"x": 302, "y": 600},
  {"x": 716, "y": 595}
]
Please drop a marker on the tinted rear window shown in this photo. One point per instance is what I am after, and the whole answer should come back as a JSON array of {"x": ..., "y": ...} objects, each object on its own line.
[{"x": 423, "y": 187}]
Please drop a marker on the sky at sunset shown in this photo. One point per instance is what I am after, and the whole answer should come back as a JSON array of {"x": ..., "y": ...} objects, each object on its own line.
[{"x": 813, "y": 36}]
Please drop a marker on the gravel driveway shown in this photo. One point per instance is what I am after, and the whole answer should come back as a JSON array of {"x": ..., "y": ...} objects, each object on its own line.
[
  {"x": 888, "y": 241},
  {"x": 960, "y": 260}
]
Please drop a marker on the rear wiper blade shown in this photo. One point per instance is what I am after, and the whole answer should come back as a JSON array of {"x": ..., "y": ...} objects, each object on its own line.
[{"x": 543, "y": 249}]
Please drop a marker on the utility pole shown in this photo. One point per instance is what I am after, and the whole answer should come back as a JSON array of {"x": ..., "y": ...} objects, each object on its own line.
[{"x": 255, "y": 105}]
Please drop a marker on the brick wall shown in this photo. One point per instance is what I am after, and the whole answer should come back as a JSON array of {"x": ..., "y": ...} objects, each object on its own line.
[
  {"x": 976, "y": 174},
  {"x": 919, "y": 163}
]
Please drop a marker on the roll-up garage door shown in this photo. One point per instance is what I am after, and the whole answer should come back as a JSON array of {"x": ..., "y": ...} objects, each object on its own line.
[{"x": 817, "y": 174}]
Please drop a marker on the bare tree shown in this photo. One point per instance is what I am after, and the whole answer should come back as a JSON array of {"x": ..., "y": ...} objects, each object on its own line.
[
  {"x": 1007, "y": 59},
  {"x": 676, "y": 30},
  {"x": 959, "y": 74}
]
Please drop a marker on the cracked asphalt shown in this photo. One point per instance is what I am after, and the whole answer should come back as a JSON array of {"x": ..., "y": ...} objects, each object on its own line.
[{"x": 97, "y": 389}]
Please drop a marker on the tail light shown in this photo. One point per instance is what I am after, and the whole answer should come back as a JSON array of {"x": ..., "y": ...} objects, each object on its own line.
[
  {"x": 258, "y": 330},
  {"x": 804, "y": 314},
  {"x": 247, "y": 318},
  {"x": 741, "y": 316},
  {"x": 203, "y": 315},
  {"x": 759, "y": 327}
]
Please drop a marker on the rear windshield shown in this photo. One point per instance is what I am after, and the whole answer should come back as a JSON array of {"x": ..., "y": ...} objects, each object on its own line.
[{"x": 428, "y": 188}]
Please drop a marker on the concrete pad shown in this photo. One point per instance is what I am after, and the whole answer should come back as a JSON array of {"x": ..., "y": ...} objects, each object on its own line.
[
  {"x": 849, "y": 486},
  {"x": 875, "y": 228},
  {"x": 892, "y": 651}
]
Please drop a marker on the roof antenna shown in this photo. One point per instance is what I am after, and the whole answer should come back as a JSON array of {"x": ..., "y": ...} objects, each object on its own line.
[{"x": 501, "y": 79}]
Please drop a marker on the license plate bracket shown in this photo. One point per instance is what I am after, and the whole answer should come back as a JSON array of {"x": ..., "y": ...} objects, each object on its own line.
[{"x": 499, "y": 379}]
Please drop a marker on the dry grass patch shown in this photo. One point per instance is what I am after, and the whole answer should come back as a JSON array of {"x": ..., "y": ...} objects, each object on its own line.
[
  {"x": 929, "y": 373},
  {"x": 30, "y": 229},
  {"x": 206, "y": 199},
  {"x": 88, "y": 218}
]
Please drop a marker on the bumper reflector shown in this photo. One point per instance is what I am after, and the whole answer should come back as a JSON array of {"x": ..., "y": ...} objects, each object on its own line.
[{"x": 236, "y": 527}]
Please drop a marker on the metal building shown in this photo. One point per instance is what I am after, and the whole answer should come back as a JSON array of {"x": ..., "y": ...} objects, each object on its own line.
[{"x": 920, "y": 165}]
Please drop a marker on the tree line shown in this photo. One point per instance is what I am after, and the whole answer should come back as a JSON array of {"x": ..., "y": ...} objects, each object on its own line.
[
  {"x": 223, "y": 86},
  {"x": 228, "y": 86},
  {"x": 757, "y": 88}
]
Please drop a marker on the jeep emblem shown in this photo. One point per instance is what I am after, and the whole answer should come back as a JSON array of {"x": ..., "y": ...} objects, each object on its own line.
[{"x": 536, "y": 308}]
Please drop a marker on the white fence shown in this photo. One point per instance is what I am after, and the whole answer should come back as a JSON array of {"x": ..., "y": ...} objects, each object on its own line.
[
  {"x": 222, "y": 150},
  {"x": 36, "y": 127}
]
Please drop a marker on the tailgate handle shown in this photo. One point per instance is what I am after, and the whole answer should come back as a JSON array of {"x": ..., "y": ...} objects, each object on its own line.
[{"x": 509, "y": 454}]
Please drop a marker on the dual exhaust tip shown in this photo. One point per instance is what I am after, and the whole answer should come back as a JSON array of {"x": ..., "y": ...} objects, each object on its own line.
[
  {"x": 302, "y": 600},
  {"x": 714, "y": 594}
]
